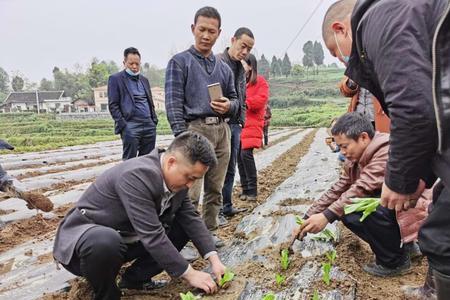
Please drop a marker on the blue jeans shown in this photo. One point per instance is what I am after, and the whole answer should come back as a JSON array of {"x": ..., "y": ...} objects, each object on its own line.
[
  {"x": 227, "y": 190},
  {"x": 138, "y": 138}
]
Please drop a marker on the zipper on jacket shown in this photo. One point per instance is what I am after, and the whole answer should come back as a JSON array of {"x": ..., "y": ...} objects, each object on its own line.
[{"x": 435, "y": 52}]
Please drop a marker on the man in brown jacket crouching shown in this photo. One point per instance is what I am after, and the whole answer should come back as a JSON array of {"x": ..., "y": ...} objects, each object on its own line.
[{"x": 366, "y": 155}]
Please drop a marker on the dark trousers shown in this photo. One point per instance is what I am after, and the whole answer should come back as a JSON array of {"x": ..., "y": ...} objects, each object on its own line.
[
  {"x": 380, "y": 230},
  {"x": 138, "y": 138},
  {"x": 227, "y": 189},
  {"x": 248, "y": 172},
  {"x": 100, "y": 253},
  {"x": 434, "y": 236},
  {"x": 266, "y": 135}
]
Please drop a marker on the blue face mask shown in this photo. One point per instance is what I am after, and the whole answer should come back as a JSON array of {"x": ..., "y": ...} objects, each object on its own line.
[
  {"x": 129, "y": 72},
  {"x": 345, "y": 58}
]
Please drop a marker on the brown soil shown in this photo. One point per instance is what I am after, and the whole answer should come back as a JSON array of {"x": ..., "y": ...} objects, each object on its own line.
[
  {"x": 45, "y": 258},
  {"x": 352, "y": 255},
  {"x": 16, "y": 233},
  {"x": 6, "y": 212},
  {"x": 53, "y": 171},
  {"x": 37, "y": 200},
  {"x": 284, "y": 138},
  {"x": 296, "y": 201}
]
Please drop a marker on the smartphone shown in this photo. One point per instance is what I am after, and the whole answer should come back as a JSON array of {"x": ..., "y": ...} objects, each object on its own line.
[{"x": 215, "y": 91}]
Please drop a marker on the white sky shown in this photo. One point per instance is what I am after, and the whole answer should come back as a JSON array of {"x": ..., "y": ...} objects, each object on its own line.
[{"x": 37, "y": 35}]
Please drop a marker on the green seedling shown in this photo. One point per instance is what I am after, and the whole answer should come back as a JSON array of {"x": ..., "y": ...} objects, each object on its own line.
[
  {"x": 227, "y": 277},
  {"x": 331, "y": 255},
  {"x": 269, "y": 296},
  {"x": 189, "y": 296},
  {"x": 284, "y": 260},
  {"x": 325, "y": 235},
  {"x": 299, "y": 220},
  {"x": 326, "y": 268},
  {"x": 315, "y": 295},
  {"x": 280, "y": 279},
  {"x": 364, "y": 205}
]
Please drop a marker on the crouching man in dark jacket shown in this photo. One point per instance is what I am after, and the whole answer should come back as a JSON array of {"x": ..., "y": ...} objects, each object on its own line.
[{"x": 140, "y": 210}]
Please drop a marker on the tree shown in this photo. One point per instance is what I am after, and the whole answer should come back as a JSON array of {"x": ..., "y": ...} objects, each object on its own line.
[
  {"x": 154, "y": 75},
  {"x": 286, "y": 65},
  {"x": 97, "y": 74},
  {"x": 264, "y": 67},
  {"x": 318, "y": 55},
  {"x": 4, "y": 84},
  {"x": 17, "y": 83},
  {"x": 297, "y": 70},
  {"x": 46, "y": 85},
  {"x": 308, "y": 58},
  {"x": 75, "y": 85},
  {"x": 275, "y": 67}
]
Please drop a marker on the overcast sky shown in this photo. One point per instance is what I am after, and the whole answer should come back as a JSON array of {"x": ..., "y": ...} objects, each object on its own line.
[{"x": 40, "y": 34}]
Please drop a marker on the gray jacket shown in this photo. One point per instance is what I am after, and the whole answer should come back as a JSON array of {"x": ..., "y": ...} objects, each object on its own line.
[
  {"x": 240, "y": 85},
  {"x": 127, "y": 198}
]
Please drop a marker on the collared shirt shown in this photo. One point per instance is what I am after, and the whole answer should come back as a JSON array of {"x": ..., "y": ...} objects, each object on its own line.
[
  {"x": 142, "y": 111},
  {"x": 167, "y": 196},
  {"x": 208, "y": 63}
]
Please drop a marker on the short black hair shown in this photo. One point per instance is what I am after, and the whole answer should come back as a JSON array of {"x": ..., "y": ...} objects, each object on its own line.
[
  {"x": 353, "y": 124},
  {"x": 208, "y": 12},
  {"x": 243, "y": 30},
  {"x": 195, "y": 148},
  {"x": 131, "y": 50}
]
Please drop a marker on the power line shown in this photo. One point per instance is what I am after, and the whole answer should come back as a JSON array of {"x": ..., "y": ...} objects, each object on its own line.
[{"x": 304, "y": 25}]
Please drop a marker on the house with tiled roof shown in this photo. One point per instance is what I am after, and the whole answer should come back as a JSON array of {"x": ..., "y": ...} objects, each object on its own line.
[{"x": 42, "y": 101}]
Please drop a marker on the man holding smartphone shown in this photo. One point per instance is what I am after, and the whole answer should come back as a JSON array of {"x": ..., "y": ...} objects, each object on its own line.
[
  {"x": 242, "y": 43},
  {"x": 189, "y": 106}
]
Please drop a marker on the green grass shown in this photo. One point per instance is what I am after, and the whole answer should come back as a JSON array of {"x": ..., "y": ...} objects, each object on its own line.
[
  {"x": 308, "y": 116},
  {"x": 32, "y": 132}
]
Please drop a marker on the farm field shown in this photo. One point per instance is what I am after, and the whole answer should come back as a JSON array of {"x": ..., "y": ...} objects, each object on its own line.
[{"x": 294, "y": 170}]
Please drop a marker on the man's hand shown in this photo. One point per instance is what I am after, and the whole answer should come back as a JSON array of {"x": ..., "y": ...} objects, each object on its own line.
[
  {"x": 221, "y": 105},
  {"x": 314, "y": 224},
  {"x": 217, "y": 267},
  {"x": 391, "y": 199},
  {"x": 200, "y": 280}
]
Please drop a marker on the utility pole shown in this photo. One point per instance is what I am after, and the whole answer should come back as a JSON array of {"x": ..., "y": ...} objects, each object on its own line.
[{"x": 37, "y": 101}]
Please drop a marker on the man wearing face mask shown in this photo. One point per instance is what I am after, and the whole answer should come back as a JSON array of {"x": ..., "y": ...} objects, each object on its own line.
[
  {"x": 399, "y": 53},
  {"x": 131, "y": 106},
  {"x": 241, "y": 44}
]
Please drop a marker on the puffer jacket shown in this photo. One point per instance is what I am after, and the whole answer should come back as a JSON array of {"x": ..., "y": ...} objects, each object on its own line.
[
  {"x": 256, "y": 101},
  {"x": 382, "y": 121},
  {"x": 365, "y": 179}
]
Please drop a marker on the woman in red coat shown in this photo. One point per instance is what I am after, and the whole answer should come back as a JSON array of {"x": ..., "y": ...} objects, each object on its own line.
[{"x": 256, "y": 100}]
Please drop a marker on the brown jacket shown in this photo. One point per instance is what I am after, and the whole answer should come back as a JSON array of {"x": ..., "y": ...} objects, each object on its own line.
[
  {"x": 365, "y": 179},
  {"x": 382, "y": 121}
]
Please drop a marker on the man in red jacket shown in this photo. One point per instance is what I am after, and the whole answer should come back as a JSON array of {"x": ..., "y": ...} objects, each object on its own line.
[{"x": 385, "y": 231}]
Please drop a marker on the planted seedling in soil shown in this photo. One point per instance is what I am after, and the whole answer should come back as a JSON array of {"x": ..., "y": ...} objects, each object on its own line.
[
  {"x": 315, "y": 295},
  {"x": 284, "y": 260},
  {"x": 226, "y": 279},
  {"x": 299, "y": 220},
  {"x": 325, "y": 235},
  {"x": 364, "y": 205},
  {"x": 326, "y": 268},
  {"x": 280, "y": 279},
  {"x": 331, "y": 255},
  {"x": 189, "y": 296},
  {"x": 269, "y": 296}
]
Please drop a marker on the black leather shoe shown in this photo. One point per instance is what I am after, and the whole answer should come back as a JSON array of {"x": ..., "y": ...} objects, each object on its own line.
[
  {"x": 382, "y": 271},
  {"x": 233, "y": 211},
  {"x": 142, "y": 286}
]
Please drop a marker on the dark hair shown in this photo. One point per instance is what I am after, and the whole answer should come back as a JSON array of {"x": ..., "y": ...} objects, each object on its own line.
[
  {"x": 195, "y": 148},
  {"x": 251, "y": 61},
  {"x": 208, "y": 12},
  {"x": 131, "y": 50},
  {"x": 353, "y": 124},
  {"x": 243, "y": 30}
]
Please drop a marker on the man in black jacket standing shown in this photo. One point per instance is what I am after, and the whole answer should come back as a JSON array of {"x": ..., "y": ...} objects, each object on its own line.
[
  {"x": 388, "y": 48},
  {"x": 241, "y": 44},
  {"x": 131, "y": 106}
]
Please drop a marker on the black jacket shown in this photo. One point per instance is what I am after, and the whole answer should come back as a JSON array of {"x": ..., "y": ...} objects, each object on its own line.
[
  {"x": 441, "y": 96},
  {"x": 392, "y": 58},
  {"x": 240, "y": 85},
  {"x": 121, "y": 101}
]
